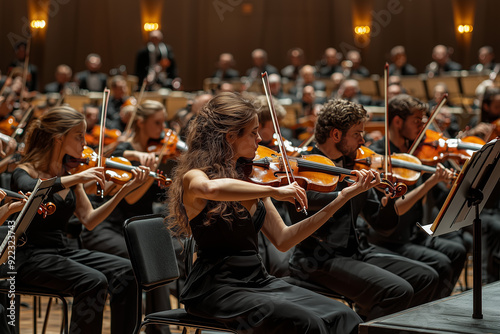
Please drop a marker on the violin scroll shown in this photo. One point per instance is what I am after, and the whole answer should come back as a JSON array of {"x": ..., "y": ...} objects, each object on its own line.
[{"x": 46, "y": 209}]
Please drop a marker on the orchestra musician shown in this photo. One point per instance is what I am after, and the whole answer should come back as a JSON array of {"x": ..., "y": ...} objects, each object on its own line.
[
  {"x": 210, "y": 200},
  {"x": 47, "y": 260},
  {"x": 445, "y": 256},
  {"x": 155, "y": 54},
  {"x": 62, "y": 83},
  {"x": 108, "y": 236},
  {"x": 335, "y": 256},
  {"x": 20, "y": 53},
  {"x": 91, "y": 79}
]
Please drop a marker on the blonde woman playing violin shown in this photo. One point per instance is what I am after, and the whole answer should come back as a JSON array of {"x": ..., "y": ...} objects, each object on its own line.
[{"x": 47, "y": 260}]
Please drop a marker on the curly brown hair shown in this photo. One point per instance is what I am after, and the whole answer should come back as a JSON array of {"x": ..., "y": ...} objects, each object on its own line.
[
  {"x": 210, "y": 152},
  {"x": 337, "y": 114}
]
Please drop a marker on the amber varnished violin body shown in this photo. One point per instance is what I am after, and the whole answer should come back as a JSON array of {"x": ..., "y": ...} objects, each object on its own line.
[
  {"x": 117, "y": 169},
  {"x": 8, "y": 125},
  {"x": 406, "y": 168},
  {"x": 169, "y": 146},
  {"x": 312, "y": 172},
  {"x": 110, "y": 136},
  {"x": 436, "y": 148}
]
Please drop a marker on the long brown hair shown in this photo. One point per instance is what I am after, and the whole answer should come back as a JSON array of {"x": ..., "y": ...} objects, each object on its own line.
[
  {"x": 209, "y": 151},
  {"x": 43, "y": 132}
]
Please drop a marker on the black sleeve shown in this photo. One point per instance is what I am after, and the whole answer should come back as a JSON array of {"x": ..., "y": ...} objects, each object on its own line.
[
  {"x": 384, "y": 220},
  {"x": 21, "y": 180}
]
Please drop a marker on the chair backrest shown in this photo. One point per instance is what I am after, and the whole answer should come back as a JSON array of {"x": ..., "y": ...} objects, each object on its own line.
[{"x": 151, "y": 251}]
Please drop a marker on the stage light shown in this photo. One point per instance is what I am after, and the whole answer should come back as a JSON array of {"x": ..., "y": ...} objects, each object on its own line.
[
  {"x": 38, "y": 24},
  {"x": 464, "y": 28},
  {"x": 362, "y": 30},
  {"x": 150, "y": 26}
]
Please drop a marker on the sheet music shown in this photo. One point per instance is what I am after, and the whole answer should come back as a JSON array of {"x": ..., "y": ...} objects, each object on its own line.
[
  {"x": 26, "y": 215},
  {"x": 481, "y": 172}
]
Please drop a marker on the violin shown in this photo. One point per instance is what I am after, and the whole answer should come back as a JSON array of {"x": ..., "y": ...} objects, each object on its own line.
[
  {"x": 117, "y": 169},
  {"x": 110, "y": 136},
  {"x": 311, "y": 172},
  {"x": 8, "y": 125},
  {"x": 406, "y": 168},
  {"x": 168, "y": 146},
  {"x": 44, "y": 209},
  {"x": 436, "y": 148}
]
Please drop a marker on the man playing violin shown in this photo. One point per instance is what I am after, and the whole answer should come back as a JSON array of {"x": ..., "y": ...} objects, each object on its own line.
[
  {"x": 333, "y": 256},
  {"x": 447, "y": 257}
]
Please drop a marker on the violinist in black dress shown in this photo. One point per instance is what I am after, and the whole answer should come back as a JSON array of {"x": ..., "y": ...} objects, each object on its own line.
[
  {"x": 209, "y": 200},
  {"x": 47, "y": 260}
]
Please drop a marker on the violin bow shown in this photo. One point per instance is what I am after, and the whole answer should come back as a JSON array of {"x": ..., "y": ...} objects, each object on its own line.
[
  {"x": 288, "y": 169},
  {"x": 25, "y": 70},
  {"x": 4, "y": 87},
  {"x": 22, "y": 123},
  {"x": 104, "y": 110},
  {"x": 421, "y": 134},
  {"x": 27, "y": 113},
  {"x": 387, "y": 160},
  {"x": 305, "y": 143}
]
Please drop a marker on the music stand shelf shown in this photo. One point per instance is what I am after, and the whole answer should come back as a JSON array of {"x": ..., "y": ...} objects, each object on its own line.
[{"x": 38, "y": 195}]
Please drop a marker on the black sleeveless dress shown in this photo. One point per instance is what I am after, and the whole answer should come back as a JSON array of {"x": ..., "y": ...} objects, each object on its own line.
[{"x": 228, "y": 282}]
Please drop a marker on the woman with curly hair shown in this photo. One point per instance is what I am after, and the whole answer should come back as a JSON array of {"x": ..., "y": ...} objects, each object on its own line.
[{"x": 210, "y": 201}]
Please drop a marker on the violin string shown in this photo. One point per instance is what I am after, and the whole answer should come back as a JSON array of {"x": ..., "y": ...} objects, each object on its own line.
[
  {"x": 25, "y": 70},
  {"x": 317, "y": 166}
]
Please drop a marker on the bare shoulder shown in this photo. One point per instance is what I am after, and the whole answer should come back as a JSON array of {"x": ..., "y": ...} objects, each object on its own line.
[{"x": 28, "y": 168}]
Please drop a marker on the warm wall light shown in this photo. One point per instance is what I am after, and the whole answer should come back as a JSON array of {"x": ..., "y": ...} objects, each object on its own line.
[
  {"x": 362, "y": 30},
  {"x": 464, "y": 28},
  {"x": 148, "y": 26},
  {"x": 38, "y": 24}
]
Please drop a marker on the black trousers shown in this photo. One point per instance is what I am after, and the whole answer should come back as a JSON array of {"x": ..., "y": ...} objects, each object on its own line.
[
  {"x": 108, "y": 238},
  {"x": 88, "y": 276},
  {"x": 447, "y": 257},
  {"x": 490, "y": 222},
  {"x": 379, "y": 283}
]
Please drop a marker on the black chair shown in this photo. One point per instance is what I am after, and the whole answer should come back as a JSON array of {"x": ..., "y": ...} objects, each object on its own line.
[
  {"x": 318, "y": 289},
  {"x": 26, "y": 290},
  {"x": 152, "y": 255}
]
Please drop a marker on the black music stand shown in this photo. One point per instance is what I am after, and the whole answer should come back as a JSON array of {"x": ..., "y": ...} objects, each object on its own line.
[
  {"x": 26, "y": 215},
  {"x": 465, "y": 201}
]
